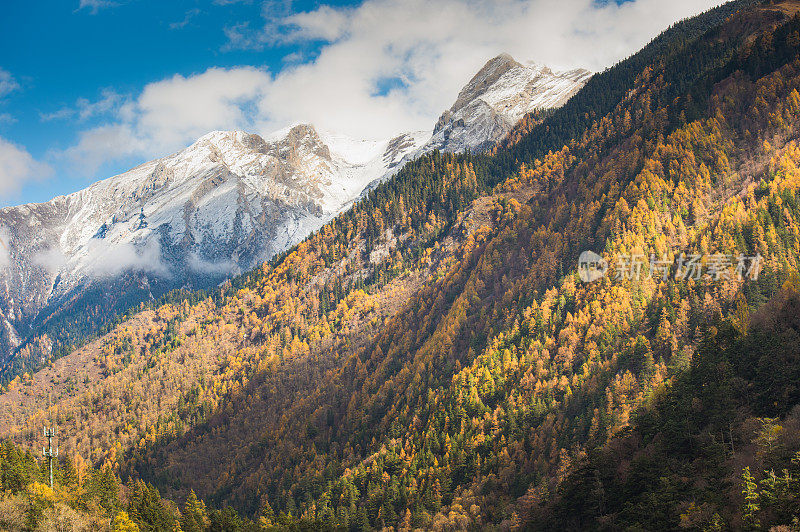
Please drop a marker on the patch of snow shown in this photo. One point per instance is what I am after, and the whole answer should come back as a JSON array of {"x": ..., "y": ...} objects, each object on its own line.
[{"x": 233, "y": 199}]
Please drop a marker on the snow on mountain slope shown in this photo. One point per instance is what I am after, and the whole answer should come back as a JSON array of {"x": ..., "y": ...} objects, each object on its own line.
[
  {"x": 499, "y": 95},
  {"x": 230, "y": 201},
  {"x": 222, "y": 205}
]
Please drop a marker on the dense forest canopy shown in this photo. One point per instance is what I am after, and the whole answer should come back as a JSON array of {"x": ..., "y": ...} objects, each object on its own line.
[{"x": 432, "y": 359}]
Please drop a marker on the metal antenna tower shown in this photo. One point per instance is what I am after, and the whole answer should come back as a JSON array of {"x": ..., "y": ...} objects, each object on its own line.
[{"x": 49, "y": 452}]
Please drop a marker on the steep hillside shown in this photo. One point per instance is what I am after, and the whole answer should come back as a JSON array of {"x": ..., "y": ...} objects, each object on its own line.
[
  {"x": 431, "y": 358},
  {"x": 225, "y": 204},
  {"x": 499, "y": 386},
  {"x": 496, "y": 376},
  {"x": 217, "y": 208},
  {"x": 717, "y": 447},
  {"x": 499, "y": 95}
]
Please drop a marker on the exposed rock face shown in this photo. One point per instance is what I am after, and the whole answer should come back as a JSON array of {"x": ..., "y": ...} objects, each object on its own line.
[
  {"x": 226, "y": 203},
  {"x": 499, "y": 95}
]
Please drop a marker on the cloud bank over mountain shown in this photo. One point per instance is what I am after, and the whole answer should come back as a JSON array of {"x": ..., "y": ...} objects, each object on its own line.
[{"x": 383, "y": 67}]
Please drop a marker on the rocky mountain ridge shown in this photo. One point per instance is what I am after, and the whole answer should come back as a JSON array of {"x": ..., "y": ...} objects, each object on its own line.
[{"x": 228, "y": 202}]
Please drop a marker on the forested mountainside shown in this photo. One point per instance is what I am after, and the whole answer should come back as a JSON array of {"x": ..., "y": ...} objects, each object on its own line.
[
  {"x": 225, "y": 204},
  {"x": 432, "y": 359}
]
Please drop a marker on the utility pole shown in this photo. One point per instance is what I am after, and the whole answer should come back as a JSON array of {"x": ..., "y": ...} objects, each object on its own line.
[{"x": 48, "y": 452}]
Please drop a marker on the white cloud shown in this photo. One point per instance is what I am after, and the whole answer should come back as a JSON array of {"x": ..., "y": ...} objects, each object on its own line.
[
  {"x": 96, "y": 5},
  {"x": 433, "y": 48},
  {"x": 102, "y": 144},
  {"x": 169, "y": 114},
  {"x": 200, "y": 265},
  {"x": 7, "y": 83},
  {"x": 62, "y": 114},
  {"x": 51, "y": 259},
  {"x": 239, "y": 36},
  {"x": 190, "y": 14},
  {"x": 242, "y": 36},
  {"x": 110, "y": 261},
  {"x": 18, "y": 167},
  {"x": 181, "y": 108},
  {"x": 425, "y": 51},
  {"x": 326, "y": 23},
  {"x": 84, "y": 109},
  {"x": 5, "y": 238}
]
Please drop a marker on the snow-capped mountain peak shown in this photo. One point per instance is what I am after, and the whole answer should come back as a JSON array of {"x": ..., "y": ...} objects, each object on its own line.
[
  {"x": 231, "y": 200},
  {"x": 497, "y": 97},
  {"x": 484, "y": 80}
]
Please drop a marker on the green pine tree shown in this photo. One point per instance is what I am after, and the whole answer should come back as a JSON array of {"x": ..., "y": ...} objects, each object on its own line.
[{"x": 195, "y": 516}]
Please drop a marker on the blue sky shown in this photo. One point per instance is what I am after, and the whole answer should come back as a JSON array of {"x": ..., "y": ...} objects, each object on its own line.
[
  {"x": 90, "y": 88},
  {"x": 59, "y": 53}
]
